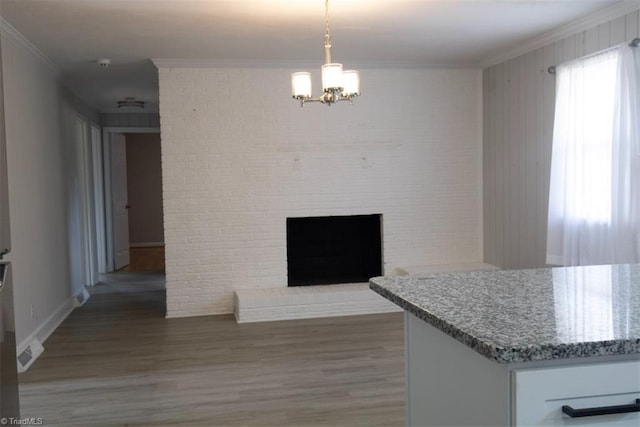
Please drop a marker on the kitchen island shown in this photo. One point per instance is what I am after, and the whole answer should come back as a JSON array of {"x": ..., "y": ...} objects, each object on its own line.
[{"x": 515, "y": 347}]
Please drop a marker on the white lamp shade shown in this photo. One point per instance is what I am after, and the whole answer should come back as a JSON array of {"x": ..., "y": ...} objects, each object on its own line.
[
  {"x": 301, "y": 85},
  {"x": 331, "y": 76},
  {"x": 350, "y": 83}
]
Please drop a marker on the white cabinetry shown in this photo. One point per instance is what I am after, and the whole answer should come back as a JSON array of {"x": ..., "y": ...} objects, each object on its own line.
[
  {"x": 449, "y": 384},
  {"x": 540, "y": 394}
]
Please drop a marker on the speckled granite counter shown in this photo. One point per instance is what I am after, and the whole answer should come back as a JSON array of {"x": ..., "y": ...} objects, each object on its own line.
[{"x": 527, "y": 315}]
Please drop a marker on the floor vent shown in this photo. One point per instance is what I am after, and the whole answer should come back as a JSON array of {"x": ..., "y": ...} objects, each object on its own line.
[
  {"x": 29, "y": 355},
  {"x": 81, "y": 298}
]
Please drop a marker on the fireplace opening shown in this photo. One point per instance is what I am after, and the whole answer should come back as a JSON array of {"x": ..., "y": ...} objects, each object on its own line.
[{"x": 333, "y": 249}]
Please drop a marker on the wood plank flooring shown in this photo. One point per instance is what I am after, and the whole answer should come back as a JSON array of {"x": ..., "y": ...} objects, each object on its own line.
[
  {"x": 117, "y": 362},
  {"x": 146, "y": 258}
]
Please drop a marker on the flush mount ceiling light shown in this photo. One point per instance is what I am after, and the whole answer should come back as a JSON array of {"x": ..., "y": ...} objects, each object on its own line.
[
  {"x": 337, "y": 85},
  {"x": 130, "y": 101},
  {"x": 103, "y": 63}
]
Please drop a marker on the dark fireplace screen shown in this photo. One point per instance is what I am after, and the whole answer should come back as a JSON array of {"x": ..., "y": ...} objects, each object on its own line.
[{"x": 333, "y": 249}]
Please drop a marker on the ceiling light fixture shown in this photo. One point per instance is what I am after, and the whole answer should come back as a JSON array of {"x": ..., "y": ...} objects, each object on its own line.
[
  {"x": 130, "y": 101},
  {"x": 337, "y": 85},
  {"x": 103, "y": 63}
]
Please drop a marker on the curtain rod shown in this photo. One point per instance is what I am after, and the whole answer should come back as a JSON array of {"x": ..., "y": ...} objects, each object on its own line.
[{"x": 634, "y": 43}]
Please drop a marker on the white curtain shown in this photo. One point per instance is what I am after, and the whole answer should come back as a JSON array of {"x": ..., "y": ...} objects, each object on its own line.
[
  {"x": 625, "y": 207},
  {"x": 594, "y": 200}
]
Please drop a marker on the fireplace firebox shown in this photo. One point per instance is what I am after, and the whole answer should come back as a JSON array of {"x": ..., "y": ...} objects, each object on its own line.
[{"x": 333, "y": 249}]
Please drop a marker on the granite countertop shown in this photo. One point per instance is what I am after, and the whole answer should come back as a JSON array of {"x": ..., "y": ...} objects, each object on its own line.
[{"x": 525, "y": 315}]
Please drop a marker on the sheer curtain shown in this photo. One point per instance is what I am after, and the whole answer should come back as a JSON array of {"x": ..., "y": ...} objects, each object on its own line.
[
  {"x": 625, "y": 206},
  {"x": 594, "y": 200}
]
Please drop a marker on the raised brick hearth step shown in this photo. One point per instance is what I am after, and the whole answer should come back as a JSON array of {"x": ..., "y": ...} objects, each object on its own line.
[{"x": 304, "y": 302}]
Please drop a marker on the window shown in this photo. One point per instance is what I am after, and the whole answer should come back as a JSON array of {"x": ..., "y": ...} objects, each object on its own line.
[
  {"x": 583, "y": 135},
  {"x": 595, "y": 177}
]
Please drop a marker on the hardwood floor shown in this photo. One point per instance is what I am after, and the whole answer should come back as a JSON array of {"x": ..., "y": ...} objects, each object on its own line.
[
  {"x": 146, "y": 258},
  {"x": 117, "y": 362}
]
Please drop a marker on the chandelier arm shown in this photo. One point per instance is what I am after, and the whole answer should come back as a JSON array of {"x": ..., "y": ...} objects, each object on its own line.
[
  {"x": 325, "y": 99},
  {"x": 336, "y": 85}
]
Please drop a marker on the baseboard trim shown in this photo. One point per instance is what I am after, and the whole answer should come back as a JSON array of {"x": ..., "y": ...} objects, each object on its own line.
[{"x": 51, "y": 323}]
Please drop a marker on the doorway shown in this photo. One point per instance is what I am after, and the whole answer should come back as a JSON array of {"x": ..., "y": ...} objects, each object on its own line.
[
  {"x": 133, "y": 187},
  {"x": 144, "y": 202}
]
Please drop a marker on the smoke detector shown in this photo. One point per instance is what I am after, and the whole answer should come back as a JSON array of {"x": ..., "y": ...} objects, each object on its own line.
[
  {"x": 103, "y": 63},
  {"x": 130, "y": 101}
]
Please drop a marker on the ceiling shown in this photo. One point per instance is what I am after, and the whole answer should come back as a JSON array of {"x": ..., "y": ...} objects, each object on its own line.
[{"x": 74, "y": 33}]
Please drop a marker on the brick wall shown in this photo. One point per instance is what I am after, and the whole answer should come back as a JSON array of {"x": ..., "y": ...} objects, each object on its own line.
[{"x": 239, "y": 156}]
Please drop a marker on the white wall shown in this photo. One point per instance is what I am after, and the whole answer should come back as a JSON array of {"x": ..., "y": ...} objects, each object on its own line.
[
  {"x": 41, "y": 167},
  {"x": 519, "y": 105},
  {"x": 239, "y": 156}
]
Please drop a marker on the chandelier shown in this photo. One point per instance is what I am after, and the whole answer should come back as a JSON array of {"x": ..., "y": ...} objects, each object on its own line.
[{"x": 337, "y": 85}]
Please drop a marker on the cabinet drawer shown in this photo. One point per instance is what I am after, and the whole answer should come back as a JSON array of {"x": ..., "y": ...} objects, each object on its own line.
[{"x": 539, "y": 394}]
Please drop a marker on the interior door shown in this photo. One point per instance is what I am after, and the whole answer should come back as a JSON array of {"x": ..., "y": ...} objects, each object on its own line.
[
  {"x": 87, "y": 208},
  {"x": 118, "y": 151},
  {"x": 98, "y": 199},
  {"x": 79, "y": 233}
]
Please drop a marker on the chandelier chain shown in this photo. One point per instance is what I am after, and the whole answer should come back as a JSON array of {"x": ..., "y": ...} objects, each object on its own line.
[{"x": 327, "y": 34}]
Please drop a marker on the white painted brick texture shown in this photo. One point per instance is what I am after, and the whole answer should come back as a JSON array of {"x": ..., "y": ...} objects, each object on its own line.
[{"x": 239, "y": 156}]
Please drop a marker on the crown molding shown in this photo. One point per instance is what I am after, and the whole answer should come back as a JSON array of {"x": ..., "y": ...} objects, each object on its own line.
[
  {"x": 6, "y": 29},
  {"x": 592, "y": 20},
  {"x": 301, "y": 64},
  {"x": 11, "y": 32},
  {"x": 223, "y": 63}
]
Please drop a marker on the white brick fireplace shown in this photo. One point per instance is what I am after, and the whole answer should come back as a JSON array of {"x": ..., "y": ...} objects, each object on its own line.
[{"x": 239, "y": 156}]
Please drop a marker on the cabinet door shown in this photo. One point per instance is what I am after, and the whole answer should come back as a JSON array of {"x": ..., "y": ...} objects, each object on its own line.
[{"x": 541, "y": 393}]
